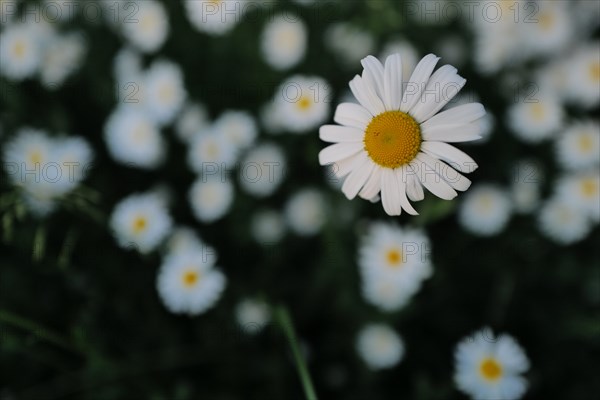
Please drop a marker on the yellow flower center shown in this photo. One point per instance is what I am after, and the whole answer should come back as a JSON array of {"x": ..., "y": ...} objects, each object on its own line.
[
  {"x": 190, "y": 278},
  {"x": 589, "y": 187},
  {"x": 139, "y": 224},
  {"x": 595, "y": 71},
  {"x": 546, "y": 20},
  {"x": 19, "y": 49},
  {"x": 537, "y": 111},
  {"x": 585, "y": 143},
  {"x": 394, "y": 258},
  {"x": 490, "y": 369},
  {"x": 392, "y": 139},
  {"x": 304, "y": 103},
  {"x": 35, "y": 157}
]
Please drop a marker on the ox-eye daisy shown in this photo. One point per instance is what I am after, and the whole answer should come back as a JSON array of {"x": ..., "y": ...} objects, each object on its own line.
[
  {"x": 490, "y": 368},
  {"x": 393, "y": 142},
  {"x": 379, "y": 346}
]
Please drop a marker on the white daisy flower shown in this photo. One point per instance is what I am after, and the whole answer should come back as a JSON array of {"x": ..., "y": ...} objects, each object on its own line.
[
  {"x": 350, "y": 43},
  {"x": 583, "y": 87},
  {"x": 63, "y": 55},
  {"x": 164, "y": 91},
  {"x": 262, "y": 170},
  {"x": 25, "y": 156},
  {"x": 525, "y": 186},
  {"x": 490, "y": 368},
  {"x": 127, "y": 65},
  {"x": 210, "y": 151},
  {"x": 485, "y": 210},
  {"x": 393, "y": 262},
  {"x": 148, "y": 28},
  {"x": 20, "y": 51},
  {"x": 305, "y": 212},
  {"x": 582, "y": 189},
  {"x": 215, "y": 17},
  {"x": 302, "y": 103},
  {"x": 141, "y": 221},
  {"x": 211, "y": 198},
  {"x": 379, "y": 346},
  {"x": 74, "y": 156},
  {"x": 189, "y": 284},
  {"x": 553, "y": 78},
  {"x": 394, "y": 143},
  {"x": 252, "y": 315},
  {"x": 561, "y": 221},
  {"x": 192, "y": 119},
  {"x": 238, "y": 127},
  {"x": 184, "y": 240},
  {"x": 283, "y": 41},
  {"x": 536, "y": 119},
  {"x": 552, "y": 29},
  {"x": 133, "y": 139},
  {"x": 267, "y": 227},
  {"x": 579, "y": 146}
]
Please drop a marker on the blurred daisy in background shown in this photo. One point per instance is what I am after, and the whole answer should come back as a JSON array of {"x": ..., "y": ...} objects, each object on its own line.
[
  {"x": 379, "y": 346},
  {"x": 215, "y": 17},
  {"x": 164, "y": 90},
  {"x": 127, "y": 65},
  {"x": 393, "y": 264},
  {"x": 305, "y": 212},
  {"x": 211, "y": 197},
  {"x": 582, "y": 190},
  {"x": 238, "y": 127},
  {"x": 133, "y": 139},
  {"x": 262, "y": 170},
  {"x": 192, "y": 119},
  {"x": 302, "y": 103},
  {"x": 267, "y": 226},
  {"x": 20, "y": 51},
  {"x": 526, "y": 185},
  {"x": 349, "y": 43},
  {"x": 394, "y": 143},
  {"x": 578, "y": 147},
  {"x": 535, "y": 119},
  {"x": 189, "y": 283},
  {"x": 147, "y": 27},
  {"x": 283, "y": 41},
  {"x": 63, "y": 55},
  {"x": 485, "y": 210},
  {"x": 489, "y": 367},
  {"x": 561, "y": 221},
  {"x": 184, "y": 239},
  {"x": 209, "y": 151},
  {"x": 583, "y": 72},
  {"x": 141, "y": 221},
  {"x": 252, "y": 315},
  {"x": 549, "y": 30}
]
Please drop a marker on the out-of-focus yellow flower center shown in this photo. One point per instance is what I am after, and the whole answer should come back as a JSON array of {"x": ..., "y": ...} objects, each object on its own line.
[
  {"x": 139, "y": 224},
  {"x": 546, "y": 20},
  {"x": 585, "y": 143},
  {"x": 19, "y": 49},
  {"x": 490, "y": 369},
  {"x": 190, "y": 278},
  {"x": 392, "y": 139},
  {"x": 35, "y": 157},
  {"x": 589, "y": 187},
  {"x": 595, "y": 71},
  {"x": 394, "y": 258},
  {"x": 537, "y": 111},
  {"x": 304, "y": 103}
]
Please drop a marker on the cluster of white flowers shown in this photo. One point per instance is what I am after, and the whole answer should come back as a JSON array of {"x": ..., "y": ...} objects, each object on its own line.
[
  {"x": 45, "y": 168},
  {"x": 30, "y": 49}
]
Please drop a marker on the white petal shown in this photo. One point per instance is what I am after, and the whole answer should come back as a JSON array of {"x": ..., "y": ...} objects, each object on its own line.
[
  {"x": 452, "y": 133},
  {"x": 401, "y": 176},
  {"x": 339, "y": 151},
  {"x": 366, "y": 96},
  {"x": 390, "y": 192},
  {"x": 373, "y": 185},
  {"x": 458, "y": 115},
  {"x": 343, "y": 167},
  {"x": 427, "y": 171},
  {"x": 354, "y": 115},
  {"x": 414, "y": 189},
  {"x": 336, "y": 133},
  {"x": 452, "y": 177},
  {"x": 444, "y": 84},
  {"x": 362, "y": 169},
  {"x": 373, "y": 74},
  {"x": 392, "y": 85},
  {"x": 418, "y": 80},
  {"x": 458, "y": 159}
]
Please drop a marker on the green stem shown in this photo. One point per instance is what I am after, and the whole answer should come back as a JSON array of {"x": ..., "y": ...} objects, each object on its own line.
[
  {"x": 37, "y": 330},
  {"x": 283, "y": 317}
]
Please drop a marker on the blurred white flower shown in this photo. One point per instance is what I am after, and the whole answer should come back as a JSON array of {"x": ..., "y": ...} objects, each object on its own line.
[
  {"x": 133, "y": 139},
  {"x": 302, "y": 103},
  {"x": 210, "y": 151},
  {"x": 238, "y": 127},
  {"x": 164, "y": 90},
  {"x": 536, "y": 119},
  {"x": 489, "y": 367},
  {"x": 583, "y": 73},
  {"x": 184, "y": 239},
  {"x": 267, "y": 227},
  {"x": 20, "y": 51},
  {"x": 525, "y": 186},
  {"x": 252, "y": 315},
  {"x": 147, "y": 28},
  {"x": 141, "y": 221},
  {"x": 550, "y": 30},
  {"x": 485, "y": 210},
  {"x": 561, "y": 221},
  {"x": 62, "y": 56},
  {"x": 379, "y": 346},
  {"x": 127, "y": 65},
  {"x": 211, "y": 197},
  {"x": 215, "y": 17},
  {"x": 396, "y": 143},
  {"x": 582, "y": 190},
  {"x": 191, "y": 120},
  {"x": 305, "y": 212},
  {"x": 262, "y": 170},
  {"x": 579, "y": 146},
  {"x": 348, "y": 42},
  {"x": 393, "y": 264},
  {"x": 283, "y": 41},
  {"x": 189, "y": 283}
]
